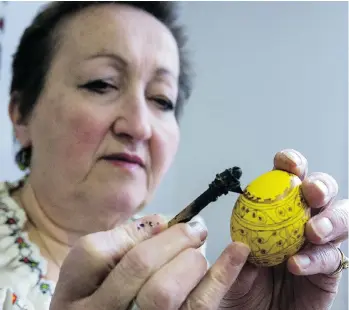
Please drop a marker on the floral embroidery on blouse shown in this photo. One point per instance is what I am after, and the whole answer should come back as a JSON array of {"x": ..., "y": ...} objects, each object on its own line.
[
  {"x": 22, "y": 268},
  {"x": 25, "y": 255}
]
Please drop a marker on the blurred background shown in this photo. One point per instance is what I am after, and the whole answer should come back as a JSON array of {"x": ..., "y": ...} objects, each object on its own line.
[{"x": 270, "y": 75}]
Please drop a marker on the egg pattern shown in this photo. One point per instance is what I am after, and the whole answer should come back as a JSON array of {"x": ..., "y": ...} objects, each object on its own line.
[{"x": 273, "y": 227}]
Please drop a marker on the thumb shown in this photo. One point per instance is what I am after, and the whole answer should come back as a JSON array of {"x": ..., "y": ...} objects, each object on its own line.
[
  {"x": 244, "y": 283},
  {"x": 95, "y": 255}
]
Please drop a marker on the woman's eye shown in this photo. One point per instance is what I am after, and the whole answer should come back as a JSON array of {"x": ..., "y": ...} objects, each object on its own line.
[
  {"x": 164, "y": 104},
  {"x": 99, "y": 86}
]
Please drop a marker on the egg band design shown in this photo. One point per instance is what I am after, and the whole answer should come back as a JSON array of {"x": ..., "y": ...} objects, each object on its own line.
[{"x": 273, "y": 227}]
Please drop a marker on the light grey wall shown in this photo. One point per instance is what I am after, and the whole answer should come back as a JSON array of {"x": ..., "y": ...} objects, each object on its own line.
[
  {"x": 18, "y": 16},
  {"x": 270, "y": 75}
]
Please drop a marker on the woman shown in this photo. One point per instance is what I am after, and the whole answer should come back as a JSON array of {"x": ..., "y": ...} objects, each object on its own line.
[{"x": 95, "y": 98}]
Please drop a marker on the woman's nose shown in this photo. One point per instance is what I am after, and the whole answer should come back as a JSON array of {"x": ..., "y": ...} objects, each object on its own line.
[{"x": 133, "y": 120}]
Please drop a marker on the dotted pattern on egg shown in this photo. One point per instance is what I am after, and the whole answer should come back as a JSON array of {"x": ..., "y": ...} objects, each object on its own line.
[{"x": 272, "y": 227}]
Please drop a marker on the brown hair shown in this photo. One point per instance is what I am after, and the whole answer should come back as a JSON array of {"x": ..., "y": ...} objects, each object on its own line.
[{"x": 35, "y": 52}]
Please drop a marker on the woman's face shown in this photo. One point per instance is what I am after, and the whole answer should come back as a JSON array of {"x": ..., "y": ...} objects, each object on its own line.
[{"x": 104, "y": 130}]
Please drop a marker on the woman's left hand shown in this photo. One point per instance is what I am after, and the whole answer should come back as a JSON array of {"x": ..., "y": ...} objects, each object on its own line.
[{"x": 306, "y": 280}]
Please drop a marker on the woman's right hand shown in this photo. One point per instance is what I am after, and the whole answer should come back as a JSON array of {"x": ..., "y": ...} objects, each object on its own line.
[{"x": 160, "y": 268}]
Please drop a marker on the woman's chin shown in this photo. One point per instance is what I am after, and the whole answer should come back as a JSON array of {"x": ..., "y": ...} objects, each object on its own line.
[{"x": 124, "y": 200}]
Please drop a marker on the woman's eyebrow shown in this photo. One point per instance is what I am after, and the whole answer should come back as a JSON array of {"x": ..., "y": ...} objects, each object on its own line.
[
  {"x": 115, "y": 57},
  {"x": 164, "y": 72},
  {"x": 160, "y": 72}
]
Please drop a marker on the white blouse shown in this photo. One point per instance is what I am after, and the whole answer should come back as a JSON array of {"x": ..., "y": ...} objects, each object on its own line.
[{"x": 22, "y": 268}]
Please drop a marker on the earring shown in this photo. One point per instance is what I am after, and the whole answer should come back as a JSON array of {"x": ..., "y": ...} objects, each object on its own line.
[{"x": 23, "y": 157}]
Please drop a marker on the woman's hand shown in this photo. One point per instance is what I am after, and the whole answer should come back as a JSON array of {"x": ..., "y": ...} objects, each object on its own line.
[
  {"x": 158, "y": 268},
  {"x": 305, "y": 280}
]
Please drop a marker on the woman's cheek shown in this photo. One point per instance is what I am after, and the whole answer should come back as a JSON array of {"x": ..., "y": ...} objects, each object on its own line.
[
  {"x": 85, "y": 133},
  {"x": 163, "y": 149}
]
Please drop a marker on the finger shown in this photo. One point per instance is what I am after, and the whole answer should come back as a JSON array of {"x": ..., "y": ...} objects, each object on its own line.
[
  {"x": 329, "y": 225},
  {"x": 319, "y": 189},
  {"x": 170, "y": 286},
  {"x": 199, "y": 218},
  {"x": 95, "y": 255},
  {"x": 218, "y": 280},
  {"x": 245, "y": 281},
  {"x": 291, "y": 161},
  {"x": 139, "y": 264},
  {"x": 315, "y": 259}
]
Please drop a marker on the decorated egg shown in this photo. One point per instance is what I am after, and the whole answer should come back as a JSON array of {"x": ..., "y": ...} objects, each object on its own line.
[{"x": 270, "y": 217}]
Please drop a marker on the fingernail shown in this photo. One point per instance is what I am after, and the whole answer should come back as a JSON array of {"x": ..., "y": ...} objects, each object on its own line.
[
  {"x": 323, "y": 188},
  {"x": 198, "y": 228},
  {"x": 322, "y": 227},
  {"x": 293, "y": 157},
  {"x": 302, "y": 261}
]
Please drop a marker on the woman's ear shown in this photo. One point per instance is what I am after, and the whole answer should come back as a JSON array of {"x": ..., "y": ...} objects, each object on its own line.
[{"x": 20, "y": 126}]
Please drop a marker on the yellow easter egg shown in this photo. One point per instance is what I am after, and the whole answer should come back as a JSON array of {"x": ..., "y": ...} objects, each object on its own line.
[{"x": 270, "y": 217}]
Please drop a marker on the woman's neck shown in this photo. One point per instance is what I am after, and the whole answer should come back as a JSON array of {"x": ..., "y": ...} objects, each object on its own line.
[
  {"x": 50, "y": 237},
  {"x": 60, "y": 227}
]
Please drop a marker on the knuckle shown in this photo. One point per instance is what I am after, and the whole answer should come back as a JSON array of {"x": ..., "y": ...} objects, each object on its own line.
[
  {"x": 197, "y": 303},
  {"x": 137, "y": 263},
  {"x": 340, "y": 218},
  {"x": 93, "y": 241},
  {"x": 219, "y": 277},
  {"x": 85, "y": 246},
  {"x": 198, "y": 257},
  {"x": 325, "y": 256},
  {"x": 165, "y": 296},
  {"x": 197, "y": 262},
  {"x": 158, "y": 296},
  {"x": 124, "y": 237},
  {"x": 170, "y": 292}
]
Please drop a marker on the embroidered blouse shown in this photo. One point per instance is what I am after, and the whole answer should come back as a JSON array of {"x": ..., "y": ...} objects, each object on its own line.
[{"x": 22, "y": 268}]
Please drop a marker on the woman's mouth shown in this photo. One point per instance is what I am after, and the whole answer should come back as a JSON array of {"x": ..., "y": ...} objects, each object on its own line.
[{"x": 125, "y": 160}]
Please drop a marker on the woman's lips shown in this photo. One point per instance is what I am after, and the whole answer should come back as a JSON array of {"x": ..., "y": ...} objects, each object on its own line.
[{"x": 125, "y": 160}]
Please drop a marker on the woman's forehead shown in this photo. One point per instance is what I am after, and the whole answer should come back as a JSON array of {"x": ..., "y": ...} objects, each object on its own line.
[{"x": 128, "y": 33}]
